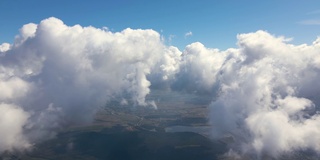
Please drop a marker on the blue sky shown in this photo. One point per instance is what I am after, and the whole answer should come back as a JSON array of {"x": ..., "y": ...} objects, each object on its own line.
[{"x": 215, "y": 23}]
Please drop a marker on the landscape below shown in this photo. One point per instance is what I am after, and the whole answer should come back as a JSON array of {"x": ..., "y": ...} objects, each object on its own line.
[{"x": 178, "y": 129}]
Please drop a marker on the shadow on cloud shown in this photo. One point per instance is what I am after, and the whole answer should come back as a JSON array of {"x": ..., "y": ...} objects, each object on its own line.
[{"x": 265, "y": 91}]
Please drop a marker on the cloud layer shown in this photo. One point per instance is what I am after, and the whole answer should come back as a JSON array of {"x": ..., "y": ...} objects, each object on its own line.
[{"x": 265, "y": 92}]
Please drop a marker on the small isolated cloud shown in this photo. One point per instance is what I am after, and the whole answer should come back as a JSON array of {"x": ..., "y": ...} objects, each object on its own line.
[
  {"x": 171, "y": 37},
  {"x": 188, "y": 34},
  {"x": 310, "y": 22}
]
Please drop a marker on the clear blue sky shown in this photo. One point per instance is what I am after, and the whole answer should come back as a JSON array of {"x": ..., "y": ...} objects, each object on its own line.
[{"x": 215, "y": 23}]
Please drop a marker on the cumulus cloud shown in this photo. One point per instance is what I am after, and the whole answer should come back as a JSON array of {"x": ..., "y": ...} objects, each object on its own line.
[
  {"x": 270, "y": 102},
  {"x": 265, "y": 92},
  {"x": 198, "y": 68},
  {"x": 188, "y": 34},
  {"x": 12, "y": 121},
  {"x": 4, "y": 47},
  {"x": 55, "y": 75}
]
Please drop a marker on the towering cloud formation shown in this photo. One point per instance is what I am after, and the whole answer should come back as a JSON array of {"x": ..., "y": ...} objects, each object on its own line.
[
  {"x": 199, "y": 68},
  {"x": 53, "y": 70},
  {"x": 265, "y": 92},
  {"x": 269, "y": 97}
]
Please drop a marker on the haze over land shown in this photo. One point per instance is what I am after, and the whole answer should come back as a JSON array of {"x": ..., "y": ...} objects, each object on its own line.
[{"x": 265, "y": 92}]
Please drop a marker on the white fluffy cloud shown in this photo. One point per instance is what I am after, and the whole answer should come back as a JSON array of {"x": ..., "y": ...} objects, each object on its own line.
[
  {"x": 53, "y": 70},
  {"x": 270, "y": 103},
  {"x": 198, "y": 68},
  {"x": 265, "y": 92},
  {"x": 188, "y": 34},
  {"x": 4, "y": 47},
  {"x": 12, "y": 120}
]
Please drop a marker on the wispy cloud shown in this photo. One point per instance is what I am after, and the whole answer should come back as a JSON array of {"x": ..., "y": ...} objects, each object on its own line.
[
  {"x": 171, "y": 37},
  {"x": 310, "y": 22},
  {"x": 188, "y": 34},
  {"x": 314, "y": 12}
]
